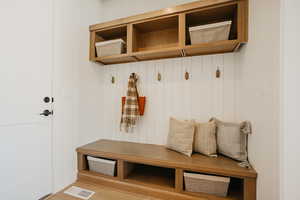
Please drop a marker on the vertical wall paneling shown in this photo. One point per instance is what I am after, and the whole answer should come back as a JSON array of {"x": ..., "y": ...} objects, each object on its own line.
[
  {"x": 201, "y": 97},
  {"x": 229, "y": 87}
]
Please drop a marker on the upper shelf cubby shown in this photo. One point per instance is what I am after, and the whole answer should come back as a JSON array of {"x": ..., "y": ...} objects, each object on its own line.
[
  {"x": 155, "y": 34},
  {"x": 165, "y": 33},
  {"x": 210, "y": 16},
  {"x": 112, "y": 33}
]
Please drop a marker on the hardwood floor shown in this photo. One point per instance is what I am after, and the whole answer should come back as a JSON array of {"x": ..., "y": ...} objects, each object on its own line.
[{"x": 102, "y": 193}]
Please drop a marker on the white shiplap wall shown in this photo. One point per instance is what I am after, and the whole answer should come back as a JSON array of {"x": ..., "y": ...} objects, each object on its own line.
[
  {"x": 249, "y": 89},
  {"x": 200, "y": 97}
]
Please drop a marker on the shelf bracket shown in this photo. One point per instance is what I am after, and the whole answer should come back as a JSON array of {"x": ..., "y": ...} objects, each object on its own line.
[
  {"x": 183, "y": 53},
  {"x": 135, "y": 58}
]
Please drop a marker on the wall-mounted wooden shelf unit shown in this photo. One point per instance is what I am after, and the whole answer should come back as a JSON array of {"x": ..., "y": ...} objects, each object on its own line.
[
  {"x": 164, "y": 33},
  {"x": 156, "y": 171}
]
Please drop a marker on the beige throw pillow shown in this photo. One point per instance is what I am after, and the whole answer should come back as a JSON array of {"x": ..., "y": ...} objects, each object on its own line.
[
  {"x": 232, "y": 139},
  {"x": 205, "y": 138},
  {"x": 181, "y": 136}
]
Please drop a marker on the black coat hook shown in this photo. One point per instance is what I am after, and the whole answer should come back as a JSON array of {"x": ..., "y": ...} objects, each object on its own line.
[
  {"x": 134, "y": 75},
  {"x": 159, "y": 76},
  {"x": 113, "y": 80},
  {"x": 187, "y": 75},
  {"x": 218, "y": 73}
]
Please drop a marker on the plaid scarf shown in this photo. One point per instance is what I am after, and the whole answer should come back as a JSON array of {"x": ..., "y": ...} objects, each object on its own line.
[{"x": 131, "y": 112}]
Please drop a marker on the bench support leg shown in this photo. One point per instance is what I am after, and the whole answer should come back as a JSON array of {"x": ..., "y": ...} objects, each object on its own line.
[
  {"x": 249, "y": 189},
  {"x": 179, "y": 180}
]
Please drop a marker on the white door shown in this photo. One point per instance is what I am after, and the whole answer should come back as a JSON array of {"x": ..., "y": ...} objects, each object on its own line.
[{"x": 25, "y": 79}]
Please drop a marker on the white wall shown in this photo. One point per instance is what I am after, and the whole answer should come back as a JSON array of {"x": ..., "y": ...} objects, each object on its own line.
[
  {"x": 71, "y": 41},
  {"x": 290, "y": 101},
  {"x": 201, "y": 97},
  {"x": 258, "y": 93},
  {"x": 100, "y": 100},
  {"x": 114, "y": 9}
]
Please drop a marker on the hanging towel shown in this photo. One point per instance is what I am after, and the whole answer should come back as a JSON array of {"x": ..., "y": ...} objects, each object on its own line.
[{"x": 131, "y": 108}]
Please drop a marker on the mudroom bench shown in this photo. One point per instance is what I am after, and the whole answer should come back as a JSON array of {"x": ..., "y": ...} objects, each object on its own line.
[{"x": 156, "y": 171}]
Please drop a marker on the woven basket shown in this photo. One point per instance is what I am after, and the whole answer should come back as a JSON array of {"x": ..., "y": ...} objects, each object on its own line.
[
  {"x": 102, "y": 166},
  {"x": 206, "y": 184}
]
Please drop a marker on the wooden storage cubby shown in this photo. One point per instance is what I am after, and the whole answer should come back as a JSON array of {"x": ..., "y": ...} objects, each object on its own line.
[
  {"x": 164, "y": 33},
  {"x": 219, "y": 13},
  {"x": 84, "y": 166},
  {"x": 118, "y": 32},
  {"x": 157, "y": 171},
  {"x": 212, "y": 15},
  {"x": 150, "y": 175},
  {"x": 235, "y": 190},
  {"x": 112, "y": 33},
  {"x": 156, "y": 34},
  {"x": 156, "y": 38}
]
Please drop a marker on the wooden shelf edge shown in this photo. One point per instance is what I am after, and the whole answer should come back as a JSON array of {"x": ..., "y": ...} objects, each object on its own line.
[
  {"x": 111, "y": 57},
  {"x": 155, "y": 51},
  {"x": 200, "y": 49},
  {"x": 116, "y": 59},
  {"x": 151, "y": 189},
  {"x": 136, "y": 188},
  {"x": 204, "y": 49},
  {"x": 159, "y": 13},
  {"x": 128, "y": 180},
  {"x": 218, "y": 47},
  {"x": 213, "y": 197},
  {"x": 211, "y": 44},
  {"x": 94, "y": 174}
]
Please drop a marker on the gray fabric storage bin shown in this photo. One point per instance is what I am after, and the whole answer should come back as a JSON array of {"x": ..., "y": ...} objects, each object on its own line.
[
  {"x": 206, "y": 184},
  {"x": 102, "y": 166},
  {"x": 110, "y": 47}
]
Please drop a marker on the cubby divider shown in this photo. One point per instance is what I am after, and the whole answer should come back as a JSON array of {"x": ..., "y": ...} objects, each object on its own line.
[{"x": 150, "y": 175}]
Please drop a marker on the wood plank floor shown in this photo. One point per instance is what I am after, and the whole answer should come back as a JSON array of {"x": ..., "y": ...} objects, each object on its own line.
[{"x": 102, "y": 193}]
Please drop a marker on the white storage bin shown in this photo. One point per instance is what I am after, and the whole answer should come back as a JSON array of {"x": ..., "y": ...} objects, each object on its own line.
[
  {"x": 102, "y": 166},
  {"x": 110, "y": 47},
  {"x": 206, "y": 184},
  {"x": 210, "y": 32}
]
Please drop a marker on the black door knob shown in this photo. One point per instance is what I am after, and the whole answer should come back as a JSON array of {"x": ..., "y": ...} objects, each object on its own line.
[
  {"x": 47, "y": 113},
  {"x": 47, "y": 99}
]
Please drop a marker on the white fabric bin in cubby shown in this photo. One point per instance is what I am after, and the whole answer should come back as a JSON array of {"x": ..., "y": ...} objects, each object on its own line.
[
  {"x": 210, "y": 32},
  {"x": 207, "y": 184},
  {"x": 102, "y": 166},
  {"x": 110, "y": 47}
]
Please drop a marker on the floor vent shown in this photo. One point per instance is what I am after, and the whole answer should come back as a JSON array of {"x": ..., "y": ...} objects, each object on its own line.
[{"x": 79, "y": 192}]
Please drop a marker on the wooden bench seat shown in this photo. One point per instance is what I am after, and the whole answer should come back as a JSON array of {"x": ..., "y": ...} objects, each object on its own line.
[
  {"x": 155, "y": 157},
  {"x": 161, "y": 156}
]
